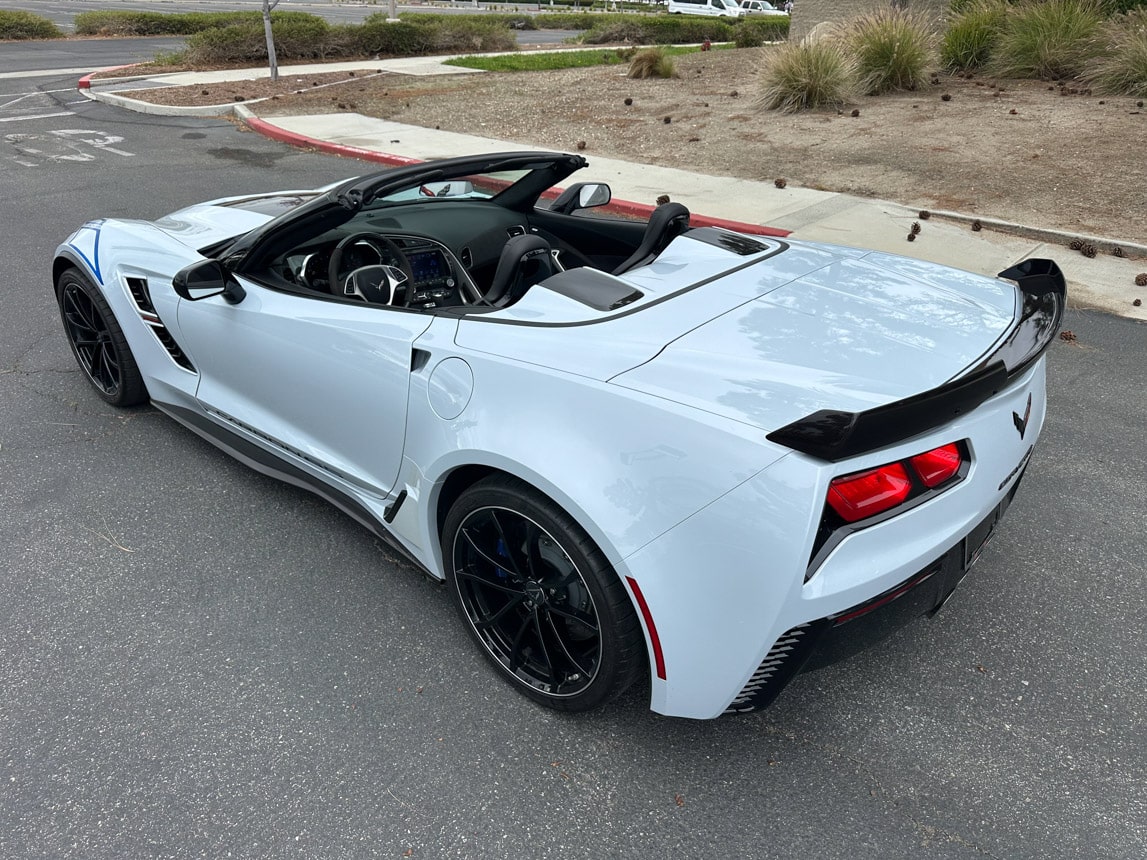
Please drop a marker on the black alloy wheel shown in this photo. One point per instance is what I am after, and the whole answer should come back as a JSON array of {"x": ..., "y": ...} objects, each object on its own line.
[
  {"x": 98, "y": 342},
  {"x": 539, "y": 597}
]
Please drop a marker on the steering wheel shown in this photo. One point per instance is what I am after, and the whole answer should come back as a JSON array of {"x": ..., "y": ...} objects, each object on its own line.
[{"x": 379, "y": 244}]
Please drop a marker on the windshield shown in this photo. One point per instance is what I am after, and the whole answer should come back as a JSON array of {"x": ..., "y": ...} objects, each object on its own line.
[{"x": 478, "y": 186}]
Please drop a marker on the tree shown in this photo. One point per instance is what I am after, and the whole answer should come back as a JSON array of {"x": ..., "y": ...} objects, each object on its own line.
[{"x": 268, "y": 5}]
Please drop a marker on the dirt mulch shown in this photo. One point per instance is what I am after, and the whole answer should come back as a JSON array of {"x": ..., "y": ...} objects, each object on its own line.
[{"x": 1025, "y": 151}]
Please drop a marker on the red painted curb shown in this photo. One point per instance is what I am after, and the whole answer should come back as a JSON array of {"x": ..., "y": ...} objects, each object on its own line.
[
  {"x": 621, "y": 207},
  {"x": 85, "y": 83},
  {"x": 283, "y": 136}
]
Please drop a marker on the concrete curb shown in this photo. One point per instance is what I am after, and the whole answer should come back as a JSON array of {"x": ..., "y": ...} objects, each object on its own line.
[
  {"x": 1040, "y": 234},
  {"x": 159, "y": 110}
]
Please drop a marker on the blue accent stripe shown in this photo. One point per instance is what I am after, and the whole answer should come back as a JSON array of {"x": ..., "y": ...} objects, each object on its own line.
[{"x": 93, "y": 264}]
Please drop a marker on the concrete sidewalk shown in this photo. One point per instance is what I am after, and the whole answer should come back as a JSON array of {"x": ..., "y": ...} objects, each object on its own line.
[{"x": 1105, "y": 282}]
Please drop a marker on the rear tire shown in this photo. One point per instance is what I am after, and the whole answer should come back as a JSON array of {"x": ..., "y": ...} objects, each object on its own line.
[
  {"x": 98, "y": 342},
  {"x": 539, "y": 598}
]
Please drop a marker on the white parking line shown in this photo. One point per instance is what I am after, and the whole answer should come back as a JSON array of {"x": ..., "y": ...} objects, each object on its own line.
[
  {"x": 46, "y": 73},
  {"x": 37, "y": 116},
  {"x": 66, "y": 90}
]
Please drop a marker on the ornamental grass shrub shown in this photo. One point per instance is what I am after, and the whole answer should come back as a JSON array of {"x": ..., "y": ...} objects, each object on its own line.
[
  {"x": 1122, "y": 67},
  {"x": 25, "y": 25},
  {"x": 651, "y": 63},
  {"x": 1051, "y": 39},
  {"x": 802, "y": 75},
  {"x": 972, "y": 34},
  {"x": 894, "y": 50}
]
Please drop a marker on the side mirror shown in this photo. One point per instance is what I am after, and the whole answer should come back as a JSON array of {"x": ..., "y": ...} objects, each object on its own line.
[
  {"x": 205, "y": 279},
  {"x": 582, "y": 195}
]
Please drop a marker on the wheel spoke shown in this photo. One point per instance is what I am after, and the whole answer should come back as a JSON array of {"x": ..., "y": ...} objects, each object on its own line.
[
  {"x": 516, "y": 646},
  {"x": 534, "y": 562},
  {"x": 543, "y": 650},
  {"x": 493, "y": 619},
  {"x": 585, "y": 618},
  {"x": 494, "y": 563},
  {"x": 477, "y": 577},
  {"x": 585, "y": 670}
]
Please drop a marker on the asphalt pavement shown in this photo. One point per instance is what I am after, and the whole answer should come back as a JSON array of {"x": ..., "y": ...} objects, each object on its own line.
[{"x": 196, "y": 661}]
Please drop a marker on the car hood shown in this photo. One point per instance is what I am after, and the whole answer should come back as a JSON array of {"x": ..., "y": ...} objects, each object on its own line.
[
  {"x": 858, "y": 333},
  {"x": 767, "y": 340},
  {"x": 205, "y": 224}
]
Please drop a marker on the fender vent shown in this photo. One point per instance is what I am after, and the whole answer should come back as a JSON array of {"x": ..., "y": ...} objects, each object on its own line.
[
  {"x": 141, "y": 295},
  {"x": 782, "y": 662}
]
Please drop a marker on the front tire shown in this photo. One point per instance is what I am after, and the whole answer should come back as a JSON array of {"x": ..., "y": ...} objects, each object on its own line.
[
  {"x": 539, "y": 597},
  {"x": 98, "y": 342}
]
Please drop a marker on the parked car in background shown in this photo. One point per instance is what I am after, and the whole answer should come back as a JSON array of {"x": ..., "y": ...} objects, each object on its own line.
[
  {"x": 760, "y": 7},
  {"x": 711, "y": 8}
]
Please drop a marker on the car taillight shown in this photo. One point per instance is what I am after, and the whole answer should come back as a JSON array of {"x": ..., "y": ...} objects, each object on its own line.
[
  {"x": 865, "y": 494},
  {"x": 938, "y": 465}
]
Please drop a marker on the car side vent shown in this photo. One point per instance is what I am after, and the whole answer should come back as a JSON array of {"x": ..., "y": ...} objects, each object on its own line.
[
  {"x": 177, "y": 354},
  {"x": 139, "y": 292},
  {"x": 516, "y": 230},
  {"x": 467, "y": 258},
  {"x": 141, "y": 295}
]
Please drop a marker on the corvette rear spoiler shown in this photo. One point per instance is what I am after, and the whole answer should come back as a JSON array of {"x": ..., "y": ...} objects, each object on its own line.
[{"x": 835, "y": 435}]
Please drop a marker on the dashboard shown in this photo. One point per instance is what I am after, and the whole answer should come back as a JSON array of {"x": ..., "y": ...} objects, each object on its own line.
[
  {"x": 433, "y": 275},
  {"x": 448, "y": 251}
]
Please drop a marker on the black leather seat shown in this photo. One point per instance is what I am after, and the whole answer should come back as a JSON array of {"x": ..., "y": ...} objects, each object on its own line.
[
  {"x": 525, "y": 260},
  {"x": 668, "y": 221}
]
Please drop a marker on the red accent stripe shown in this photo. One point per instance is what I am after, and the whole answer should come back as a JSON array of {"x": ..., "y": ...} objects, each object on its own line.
[
  {"x": 658, "y": 657},
  {"x": 886, "y": 599}
]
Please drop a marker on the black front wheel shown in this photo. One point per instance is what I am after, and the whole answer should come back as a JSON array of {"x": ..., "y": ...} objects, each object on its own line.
[
  {"x": 539, "y": 597},
  {"x": 98, "y": 342}
]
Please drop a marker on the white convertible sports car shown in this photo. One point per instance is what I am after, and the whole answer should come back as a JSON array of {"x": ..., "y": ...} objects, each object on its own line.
[{"x": 635, "y": 452}]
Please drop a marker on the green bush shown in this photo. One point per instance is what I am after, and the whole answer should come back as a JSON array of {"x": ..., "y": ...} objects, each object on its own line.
[
  {"x": 1051, "y": 39},
  {"x": 893, "y": 48},
  {"x": 295, "y": 39},
  {"x": 755, "y": 31},
  {"x": 802, "y": 75},
  {"x": 313, "y": 39},
  {"x": 25, "y": 25},
  {"x": 972, "y": 34},
  {"x": 1122, "y": 69},
  {"x": 511, "y": 22},
  {"x": 659, "y": 29},
  {"x": 122, "y": 23},
  {"x": 651, "y": 63},
  {"x": 578, "y": 20}
]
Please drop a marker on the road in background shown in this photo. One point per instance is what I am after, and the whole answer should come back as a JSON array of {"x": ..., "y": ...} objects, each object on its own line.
[
  {"x": 196, "y": 661},
  {"x": 62, "y": 12}
]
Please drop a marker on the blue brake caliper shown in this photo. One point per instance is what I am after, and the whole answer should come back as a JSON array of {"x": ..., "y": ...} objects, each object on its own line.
[{"x": 501, "y": 550}]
